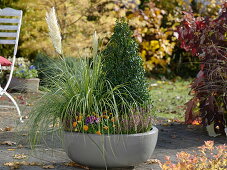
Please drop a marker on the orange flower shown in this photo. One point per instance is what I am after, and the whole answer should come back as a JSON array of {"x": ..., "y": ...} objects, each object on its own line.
[
  {"x": 80, "y": 118},
  {"x": 112, "y": 119},
  {"x": 98, "y": 133},
  {"x": 105, "y": 127},
  {"x": 74, "y": 124},
  {"x": 105, "y": 117},
  {"x": 85, "y": 127}
]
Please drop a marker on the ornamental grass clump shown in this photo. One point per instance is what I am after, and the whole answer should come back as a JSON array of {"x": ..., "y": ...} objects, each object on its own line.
[{"x": 80, "y": 99}]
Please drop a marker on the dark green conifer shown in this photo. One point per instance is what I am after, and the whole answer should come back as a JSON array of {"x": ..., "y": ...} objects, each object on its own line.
[{"x": 123, "y": 65}]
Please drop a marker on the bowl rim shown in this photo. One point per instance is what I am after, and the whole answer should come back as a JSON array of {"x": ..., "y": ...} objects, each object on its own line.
[{"x": 152, "y": 131}]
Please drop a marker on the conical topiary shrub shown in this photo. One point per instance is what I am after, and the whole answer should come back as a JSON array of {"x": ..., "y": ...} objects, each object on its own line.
[{"x": 123, "y": 65}]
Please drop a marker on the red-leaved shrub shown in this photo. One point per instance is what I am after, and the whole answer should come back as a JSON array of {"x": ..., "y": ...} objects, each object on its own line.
[{"x": 206, "y": 38}]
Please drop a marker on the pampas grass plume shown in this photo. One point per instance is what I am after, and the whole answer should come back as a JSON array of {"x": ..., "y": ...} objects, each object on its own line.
[{"x": 54, "y": 30}]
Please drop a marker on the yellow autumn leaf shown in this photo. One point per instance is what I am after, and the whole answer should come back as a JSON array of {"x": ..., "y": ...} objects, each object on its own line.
[{"x": 19, "y": 156}]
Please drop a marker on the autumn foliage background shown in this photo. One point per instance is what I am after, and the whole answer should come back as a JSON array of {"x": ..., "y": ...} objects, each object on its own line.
[{"x": 153, "y": 23}]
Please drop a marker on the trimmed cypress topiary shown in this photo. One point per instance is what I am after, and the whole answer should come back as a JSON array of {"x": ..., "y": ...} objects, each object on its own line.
[{"x": 123, "y": 65}]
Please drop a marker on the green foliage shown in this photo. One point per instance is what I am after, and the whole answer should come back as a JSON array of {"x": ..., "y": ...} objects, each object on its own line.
[
  {"x": 6, "y": 3},
  {"x": 42, "y": 62},
  {"x": 24, "y": 69},
  {"x": 45, "y": 64},
  {"x": 75, "y": 94},
  {"x": 123, "y": 65},
  {"x": 25, "y": 72},
  {"x": 182, "y": 64}
]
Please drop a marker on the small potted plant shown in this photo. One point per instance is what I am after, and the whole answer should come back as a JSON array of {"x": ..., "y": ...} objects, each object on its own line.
[
  {"x": 106, "y": 119},
  {"x": 25, "y": 78}
]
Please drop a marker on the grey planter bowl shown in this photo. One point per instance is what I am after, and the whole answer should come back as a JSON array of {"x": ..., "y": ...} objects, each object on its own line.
[{"x": 110, "y": 150}]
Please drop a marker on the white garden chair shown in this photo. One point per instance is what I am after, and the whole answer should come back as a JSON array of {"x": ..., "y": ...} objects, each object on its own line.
[{"x": 10, "y": 24}]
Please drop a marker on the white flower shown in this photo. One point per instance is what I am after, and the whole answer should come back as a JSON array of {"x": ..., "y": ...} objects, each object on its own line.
[
  {"x": 176, "y": 34},
  {"x": 54, "y": 30}
]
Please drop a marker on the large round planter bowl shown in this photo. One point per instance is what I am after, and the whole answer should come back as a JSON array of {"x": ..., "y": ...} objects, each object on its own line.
[{"x": 110, "y": 150}]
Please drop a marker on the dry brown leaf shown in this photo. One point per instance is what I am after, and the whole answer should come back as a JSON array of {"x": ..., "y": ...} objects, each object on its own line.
[
  {"x": 20, "y": 146},
  {"x": 19, "y": 156},
  {"x": 173, "y": 136},
  {"x": 12, "y": 165},
  {"x": 9, "y": 143},
  {"x": 35, "y": 164},
  {"x": 152, "y": 161},
  {"x": 1, "y": 130},
  {"x": 8, "y": 128},
  {"x": 16, "y": 165},
  {"x": 30, "y": 163},
  {"x": 73, "y": 164},
  {"x": 48, "y": 167},
  {"x": 24, "y": 163}
]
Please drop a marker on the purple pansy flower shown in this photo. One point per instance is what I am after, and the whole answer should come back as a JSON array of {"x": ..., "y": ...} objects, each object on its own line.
[
  {"x": 91, "y": 120},
  {"x": 31, "y": 67}
]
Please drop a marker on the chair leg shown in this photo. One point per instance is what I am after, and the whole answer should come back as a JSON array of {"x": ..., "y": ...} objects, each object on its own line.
[{"x": 15, "y": 103}]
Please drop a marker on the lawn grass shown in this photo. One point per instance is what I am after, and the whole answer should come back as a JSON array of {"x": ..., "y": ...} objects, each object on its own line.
[{"x": 169, "y": 98}]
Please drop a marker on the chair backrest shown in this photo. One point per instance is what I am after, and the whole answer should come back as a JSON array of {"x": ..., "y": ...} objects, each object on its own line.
[{"x": 10, "y": 24}]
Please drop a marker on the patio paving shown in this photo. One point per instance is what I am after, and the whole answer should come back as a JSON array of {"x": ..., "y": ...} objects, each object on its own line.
[{"x": 173, "y": 137}]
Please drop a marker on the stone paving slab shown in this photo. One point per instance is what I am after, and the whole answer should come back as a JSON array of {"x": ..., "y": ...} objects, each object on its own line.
[{"x": 173, "y": 138}]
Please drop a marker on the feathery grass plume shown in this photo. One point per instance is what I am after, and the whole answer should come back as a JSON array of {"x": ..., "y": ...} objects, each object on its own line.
[
  {"x": 54, "y": 30},
  {"x": 95, "y": 44}
]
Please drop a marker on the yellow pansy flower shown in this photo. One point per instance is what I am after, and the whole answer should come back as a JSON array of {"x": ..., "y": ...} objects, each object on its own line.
[
  {"x": 98, "y": 133},
  {"x": 74, "y": 124},
  {"x": 105, "y": 127},
  {"x": 85, "y": 128},
  {"x": 105, "y": 117}
]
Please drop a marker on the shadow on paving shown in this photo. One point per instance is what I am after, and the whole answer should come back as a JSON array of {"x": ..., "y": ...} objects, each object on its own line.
[
  {"x": 172, "y": 139},
  {"x": 180, "y": 136}
]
